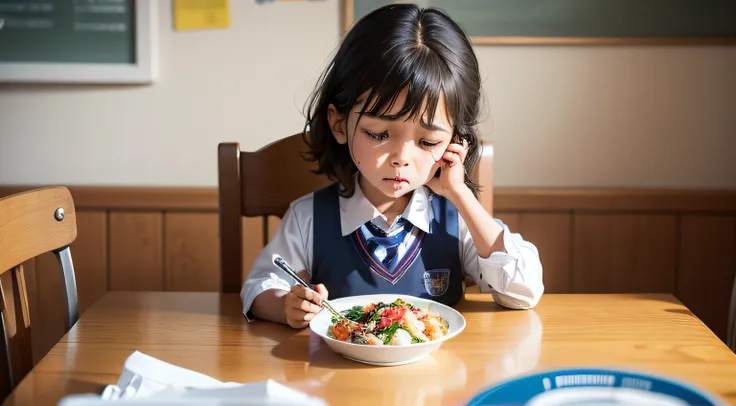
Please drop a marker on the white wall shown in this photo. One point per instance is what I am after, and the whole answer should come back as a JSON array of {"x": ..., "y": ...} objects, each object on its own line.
[{"x": 558, "y": 116}]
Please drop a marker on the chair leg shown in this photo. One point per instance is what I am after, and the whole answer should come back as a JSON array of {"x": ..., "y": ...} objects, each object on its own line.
[{"x": 64, "y": 256}]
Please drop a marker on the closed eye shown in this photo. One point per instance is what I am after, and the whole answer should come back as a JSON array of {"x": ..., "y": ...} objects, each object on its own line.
[
  {"x": 377, "y": 136},
  {"x": 429, "y": 145}
]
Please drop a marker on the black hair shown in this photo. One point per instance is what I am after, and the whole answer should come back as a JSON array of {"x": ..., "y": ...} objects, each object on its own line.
[{"x": 396, "y": 47}]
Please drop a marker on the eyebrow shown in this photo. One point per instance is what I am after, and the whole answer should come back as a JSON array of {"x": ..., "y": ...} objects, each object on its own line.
[
  {"x": 426, "y": 126},
  {"x": 433, "y": 127}
]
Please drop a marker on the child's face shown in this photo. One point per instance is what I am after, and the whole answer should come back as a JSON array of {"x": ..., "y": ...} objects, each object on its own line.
[{"x": 398, "y": 156}]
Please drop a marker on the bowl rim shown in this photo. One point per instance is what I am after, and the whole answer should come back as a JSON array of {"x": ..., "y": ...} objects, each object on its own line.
[
  {"x": 640, "y": 373},
  {"x": 407, "y": 298}
]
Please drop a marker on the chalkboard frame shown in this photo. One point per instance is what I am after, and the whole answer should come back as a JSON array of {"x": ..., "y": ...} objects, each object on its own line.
[
  {"x": 348, "y": 12},
  {"x": 143, "y": 71}
]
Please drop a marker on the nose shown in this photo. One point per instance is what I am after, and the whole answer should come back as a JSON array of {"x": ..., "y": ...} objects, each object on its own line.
[
  {"x": 399, "y": 163},
  {"x": 401, "y": 156}
]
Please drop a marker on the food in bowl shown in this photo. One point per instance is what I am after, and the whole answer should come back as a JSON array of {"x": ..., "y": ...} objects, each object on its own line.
[{"x": 395, "y": 323}]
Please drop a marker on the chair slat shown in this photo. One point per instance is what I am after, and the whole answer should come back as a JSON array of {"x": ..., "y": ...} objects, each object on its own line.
[{"x": 32, "y": 223}]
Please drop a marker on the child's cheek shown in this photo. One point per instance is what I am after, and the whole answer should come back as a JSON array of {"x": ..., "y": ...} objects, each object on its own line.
[
  {"x": 431, "y": 161},
  {"x": 359, "y": 157},
  {"x": 427, "y": 167}
]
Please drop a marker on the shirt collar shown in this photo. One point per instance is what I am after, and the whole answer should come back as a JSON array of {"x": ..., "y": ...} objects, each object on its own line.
[{"x": 357, "y": 210}]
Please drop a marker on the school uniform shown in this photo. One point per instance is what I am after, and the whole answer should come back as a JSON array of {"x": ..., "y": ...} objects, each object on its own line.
[{"x": 346, "y": 245}]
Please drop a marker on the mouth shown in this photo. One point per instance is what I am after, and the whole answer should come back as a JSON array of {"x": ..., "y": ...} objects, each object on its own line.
[
  {"x": 397, "y": 179},
  {"x": 397, "y": 182}
]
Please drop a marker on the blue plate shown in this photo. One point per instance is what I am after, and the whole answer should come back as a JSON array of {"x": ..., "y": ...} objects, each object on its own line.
[{"x": 593, "y": 386}]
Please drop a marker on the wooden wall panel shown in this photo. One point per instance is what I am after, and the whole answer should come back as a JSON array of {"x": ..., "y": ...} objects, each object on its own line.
[
  {"x": 136, "y": 251},
  {"x": 511, "y": 219},
  {"x": 192, "y": 262},
  {"x": 617, "y": 253},
  {"x": 89, "y": 255},
  {"x": 552, "y": 235},
  {"x": 707, "y": 268}
]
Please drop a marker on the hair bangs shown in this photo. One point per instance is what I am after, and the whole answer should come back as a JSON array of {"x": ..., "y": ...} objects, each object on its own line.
[{"x": 425, "y": 80}]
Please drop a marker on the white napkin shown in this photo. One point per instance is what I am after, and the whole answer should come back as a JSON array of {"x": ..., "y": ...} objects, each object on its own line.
[{"x": 148, "y": 381}]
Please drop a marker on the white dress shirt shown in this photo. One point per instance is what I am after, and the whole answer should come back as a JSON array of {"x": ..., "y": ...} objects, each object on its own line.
[{"x": 514, "y": 277}]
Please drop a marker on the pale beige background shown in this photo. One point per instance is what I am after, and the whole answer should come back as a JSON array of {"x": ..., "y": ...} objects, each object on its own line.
[{"x": 558, "y": 116}]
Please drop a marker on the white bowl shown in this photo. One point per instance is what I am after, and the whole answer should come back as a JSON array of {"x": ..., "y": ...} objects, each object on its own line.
[{"x": 389, "y": 355}]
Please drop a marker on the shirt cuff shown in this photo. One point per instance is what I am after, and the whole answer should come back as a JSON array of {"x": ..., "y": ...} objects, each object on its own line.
[
  {"x": 513, "y": 277},
  {"x": 507, "y": 262},
  {"x": 254, "y": 288}
]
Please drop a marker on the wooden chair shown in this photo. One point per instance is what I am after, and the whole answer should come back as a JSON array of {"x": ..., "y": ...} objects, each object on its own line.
[
  {"x": 263, "y": 183},
  {"x": 33, "y": 223}
]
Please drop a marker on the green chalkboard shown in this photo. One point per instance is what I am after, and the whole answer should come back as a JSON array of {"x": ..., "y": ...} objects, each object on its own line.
[
  {"x": 67, "y": 31},
  {"x": 581, "y": 21}
]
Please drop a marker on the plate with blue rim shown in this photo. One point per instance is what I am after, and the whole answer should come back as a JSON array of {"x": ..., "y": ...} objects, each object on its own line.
[{"x": 592, "y": 386}]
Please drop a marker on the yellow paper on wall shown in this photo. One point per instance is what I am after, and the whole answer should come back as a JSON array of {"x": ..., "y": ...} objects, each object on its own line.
[{"x": 201, "y": 14}]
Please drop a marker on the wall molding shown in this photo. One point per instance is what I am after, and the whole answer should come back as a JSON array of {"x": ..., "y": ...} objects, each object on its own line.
[
  {"x": 614, "y": 199},
  {"x": 135, "y": 197},
  {"x": 505, "y": 199}
]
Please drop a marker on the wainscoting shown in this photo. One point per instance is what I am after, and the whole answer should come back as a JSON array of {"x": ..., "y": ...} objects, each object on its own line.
[{"x": 590, "y": 241}]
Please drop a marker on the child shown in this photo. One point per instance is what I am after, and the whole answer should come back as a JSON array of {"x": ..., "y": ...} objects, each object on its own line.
[{"x": 393, "y": 121}]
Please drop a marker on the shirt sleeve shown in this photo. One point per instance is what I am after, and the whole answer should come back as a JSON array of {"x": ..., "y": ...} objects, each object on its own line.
[
  {"x": 292, "y": 241},
  {"x": 514, "y": 277}
]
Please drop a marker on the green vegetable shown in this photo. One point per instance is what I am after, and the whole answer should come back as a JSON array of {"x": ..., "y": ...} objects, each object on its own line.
[
  {"x": 414, "y": 339},
  {"x": 399, "y": 302},
  {"x": 390, "y": 331},
  {"x": 354, "y": 313},
  {"x": 376, "y": 315}
]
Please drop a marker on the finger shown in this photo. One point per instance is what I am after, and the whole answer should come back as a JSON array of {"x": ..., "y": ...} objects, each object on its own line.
[
  {"x": 299, "y": 316},
  {"x": 296, "y": 323},
  {"x": 297, "y": 302},
  {"x": 452, "y": 159},
  {"x": 295, "y": 317},
  {"x": 464, "y": 152},
  {"x": 317, "y": 298},
  {"x": 303, "y": 293},
  {"x": 308, "y": 307},
  {"x": 323, "y": 294},
  {"x": 460, "y": 150},
  {"x": 456, "y": 148}
]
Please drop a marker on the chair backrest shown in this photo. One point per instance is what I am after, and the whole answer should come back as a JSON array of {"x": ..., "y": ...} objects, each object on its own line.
[
  {"x": 32, "y": 223},
  {"x": 264, "y": 183}
]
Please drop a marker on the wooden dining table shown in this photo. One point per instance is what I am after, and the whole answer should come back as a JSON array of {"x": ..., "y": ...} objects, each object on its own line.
[{"x": 207, "y": 333}]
